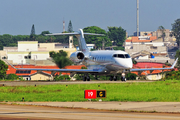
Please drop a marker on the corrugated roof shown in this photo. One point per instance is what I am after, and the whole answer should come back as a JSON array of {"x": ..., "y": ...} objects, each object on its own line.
[{"x": 136, "y": 39}]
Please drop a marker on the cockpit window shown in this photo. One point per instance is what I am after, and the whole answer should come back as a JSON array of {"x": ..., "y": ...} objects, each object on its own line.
[
  {"x": 121, "y": 55},
  {"x": 115, "y": 55},
  {"x": 127, "y": 55}
]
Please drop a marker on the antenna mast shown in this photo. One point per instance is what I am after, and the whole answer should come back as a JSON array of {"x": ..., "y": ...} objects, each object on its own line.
[
  {"x": 63, "y": 26},
  {"x": 137, "y": 17}
]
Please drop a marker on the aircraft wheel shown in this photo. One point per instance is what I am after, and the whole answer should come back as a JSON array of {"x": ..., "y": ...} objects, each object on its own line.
[
  {"x": 115, "y": 78},
  {"x": 123, "y": 79},
  {"x": 84, "y": 78},
  {"x": 88, "y": 78},
  {"x": 111, "y": 78}
]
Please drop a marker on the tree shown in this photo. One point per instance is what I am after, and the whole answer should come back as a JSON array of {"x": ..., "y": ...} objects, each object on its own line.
[
  {"x": 3, "y": 69},
  {"x": 70, "y": 28},
  {"x": 178, "y": 56},
  {"x": 162, "y": 29},
  {"x": 32, "y": 35},
  {"x": 117, "y": 35},
  {"x": 60, "y": 58},
  {"x": 12, "y": 77},
  {"x": 45, "y": 32},
  {"x": 97, "y": 40},
  {"x": 176, "y": 31}
]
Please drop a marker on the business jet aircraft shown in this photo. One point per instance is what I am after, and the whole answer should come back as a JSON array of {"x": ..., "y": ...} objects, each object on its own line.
[{"x": 100, "y": 62}]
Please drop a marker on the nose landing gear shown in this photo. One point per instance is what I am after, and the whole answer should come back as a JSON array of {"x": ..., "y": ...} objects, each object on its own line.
[{"x": 123, "y": 77}]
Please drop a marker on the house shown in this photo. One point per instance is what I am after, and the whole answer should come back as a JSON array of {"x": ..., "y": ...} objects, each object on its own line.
[{"x": 155, "y": 46}]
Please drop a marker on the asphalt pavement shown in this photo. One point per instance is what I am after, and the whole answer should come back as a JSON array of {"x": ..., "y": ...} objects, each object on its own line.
[
  {"x": 164, "y": 107},
  {"x": 89, "y": 110}
]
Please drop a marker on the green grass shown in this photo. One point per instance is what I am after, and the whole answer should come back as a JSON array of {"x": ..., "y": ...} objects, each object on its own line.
[{"x": 165, "y": 91}]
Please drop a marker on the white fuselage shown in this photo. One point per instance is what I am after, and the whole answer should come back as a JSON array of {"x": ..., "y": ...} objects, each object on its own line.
[{"x": 108, "y": 60}]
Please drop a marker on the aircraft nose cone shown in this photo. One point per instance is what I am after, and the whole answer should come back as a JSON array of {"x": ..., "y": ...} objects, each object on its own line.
[{"x": 128, "y": 64}]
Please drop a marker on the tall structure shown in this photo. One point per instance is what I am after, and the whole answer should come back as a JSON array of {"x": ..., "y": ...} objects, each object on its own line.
[
  {"x": 63, "y": 26},
  {"x": 71, "y": 42},
  {"x": 137, "y": 18}
]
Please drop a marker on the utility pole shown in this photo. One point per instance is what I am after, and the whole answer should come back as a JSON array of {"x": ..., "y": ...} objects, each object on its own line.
[
  {"x": 137, "y": 17},
  {"x": 63, "y": 26}
]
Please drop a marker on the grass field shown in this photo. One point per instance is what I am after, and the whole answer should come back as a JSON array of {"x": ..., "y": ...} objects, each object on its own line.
[{"x": 165, "y": 91}]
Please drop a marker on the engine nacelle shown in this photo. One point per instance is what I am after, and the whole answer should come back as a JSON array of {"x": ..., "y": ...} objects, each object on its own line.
[{"x": 77, "y": 57}]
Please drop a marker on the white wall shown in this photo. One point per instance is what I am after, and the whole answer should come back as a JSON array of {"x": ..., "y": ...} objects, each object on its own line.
[
  {"x": 17, "y": 57},
  {"x": 27, "y": 45},
  {"x": 37, "y": 55},
  {"x": 155, "y": 76}
]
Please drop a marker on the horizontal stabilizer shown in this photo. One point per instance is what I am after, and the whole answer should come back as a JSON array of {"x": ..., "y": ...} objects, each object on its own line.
[{"x": 75, "y": 33}]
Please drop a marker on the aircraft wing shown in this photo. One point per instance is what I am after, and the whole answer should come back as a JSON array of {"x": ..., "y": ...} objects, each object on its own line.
[
  {"x": 64, "y": 70},
  {"x": 145, "y": 69},
  {"x": 60, "y": 70}
]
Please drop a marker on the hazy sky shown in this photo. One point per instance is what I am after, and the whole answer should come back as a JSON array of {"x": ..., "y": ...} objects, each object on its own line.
[{"x": 18, "y": 16}]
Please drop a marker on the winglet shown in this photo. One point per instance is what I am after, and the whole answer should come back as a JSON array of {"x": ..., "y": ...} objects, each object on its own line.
[
  {"x": 10, "y": 64},
  {"x": 174, "y": 63}
]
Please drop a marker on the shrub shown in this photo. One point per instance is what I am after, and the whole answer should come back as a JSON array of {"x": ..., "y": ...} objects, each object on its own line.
[
  {"x": 131, "y": 76},
  {"x": 173, "y": 75},
  {"x": 61, "y": 77},
  {"x": 12, "y": 77}
]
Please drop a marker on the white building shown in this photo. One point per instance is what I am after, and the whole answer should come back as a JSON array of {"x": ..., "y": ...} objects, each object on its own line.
[{"x": 26, "y": 50}]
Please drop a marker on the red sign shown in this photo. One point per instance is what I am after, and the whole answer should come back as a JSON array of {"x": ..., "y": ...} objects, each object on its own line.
[{"x": 90, "y": 94}]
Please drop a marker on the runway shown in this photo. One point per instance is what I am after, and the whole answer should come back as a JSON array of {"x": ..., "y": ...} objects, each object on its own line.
[
  {"x": 19, "y": 112},
  {"x": 26, "y": 83}
]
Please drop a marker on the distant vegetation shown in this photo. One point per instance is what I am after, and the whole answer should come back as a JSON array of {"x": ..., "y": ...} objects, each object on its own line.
[
  {"x": 158, "y": 91},
  {"x": 116, "y": 34}
]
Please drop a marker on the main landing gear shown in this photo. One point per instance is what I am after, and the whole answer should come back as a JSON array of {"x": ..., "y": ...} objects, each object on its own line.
[
  {"x": 123, "y": 77},
  {"x": 86, "y": 78},
  {"x": 113, "y": 78}
]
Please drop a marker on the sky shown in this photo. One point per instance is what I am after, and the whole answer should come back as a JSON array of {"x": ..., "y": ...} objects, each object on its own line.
[{"x": 18, "y": 16}]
